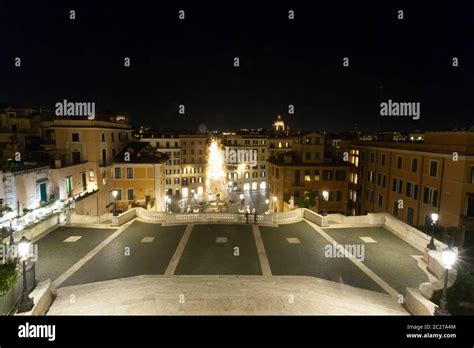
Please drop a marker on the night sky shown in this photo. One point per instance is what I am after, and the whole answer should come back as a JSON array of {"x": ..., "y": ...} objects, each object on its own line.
[{"x": 283, "y": 61}]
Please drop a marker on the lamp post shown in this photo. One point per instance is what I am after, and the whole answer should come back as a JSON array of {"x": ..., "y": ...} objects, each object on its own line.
[
  {"x": 26, "y": 303},
  {"x": 12, "y": 241},
  {"x": 434, "y": 219},
  {"x": 242, "y": 200},
  {"x": 115, "y": 195},
  {"x": 449, "y": 258},
  {"x": 274, "y": 203},
  {"x": 168, "y": 201},
  {"x": 267, "y": 201},
  {"x": 325, "y": 199}
]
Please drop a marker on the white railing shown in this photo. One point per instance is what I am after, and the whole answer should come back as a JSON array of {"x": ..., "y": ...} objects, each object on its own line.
[
  {"x": 289, "y": 216},
  {"x": 89, "y": 219},
  {"x": 183, "y": 218},
  {"x": 315, "y": 218},
  {"x": 124, "y": 217},
  {"x": 412, "y": 235},
  {"x": 151, "y": 215},
  {"x": 343, "y": 219}
]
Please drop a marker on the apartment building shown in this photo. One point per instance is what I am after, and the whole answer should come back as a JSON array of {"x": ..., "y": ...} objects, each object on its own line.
[
  {"x": 21, "y": 131},
  {"x": 87, "y": 147},
  {"x": 412, "y": 180},
  {"x": 187, "y": 158},
  {"x": 168, "y": 142},
  {"x": 302, "y": 175},
  {"x": 245, "y": 155},
  {"x": 139, "y": 177},
  {"x": 194, "y": 148}
]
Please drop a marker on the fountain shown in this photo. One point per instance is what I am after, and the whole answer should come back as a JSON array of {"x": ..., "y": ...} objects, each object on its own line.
[{"x": 215, "y": 179}]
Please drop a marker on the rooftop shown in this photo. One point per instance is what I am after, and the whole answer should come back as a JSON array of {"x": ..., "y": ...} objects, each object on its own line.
[{"x": 140, "y": 153}]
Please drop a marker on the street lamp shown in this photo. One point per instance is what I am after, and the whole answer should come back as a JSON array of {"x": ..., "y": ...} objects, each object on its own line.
[
  {"x": 12, "y": 241},
  {"x": 168, "y": 201},
  {"x": 434, "y": 219},
  {"x": 325, "y": 199},
  {"x": 274, "y": 203},
  {"x": 267, "y": 201},
  {"x": 115, "y": 194},
  {"x": 449, "y": 258},
  {"x": 26, "y": 303},
  {"x": 242, "y": 200}
]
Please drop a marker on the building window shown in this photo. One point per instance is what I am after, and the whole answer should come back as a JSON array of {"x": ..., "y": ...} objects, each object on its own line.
[
  {"x": 76, "y": 157},
  {"x": 471, "y": 175},
  {"x": 102, "y": 137},
  {"x": 316, "y": 175},
  {"x": 380, "y": 201},
  {"x": 370, "y": 176},
  {"x": 339, "y": 196},
  {"x": 75, "y": 137},
  {"x": 399, "y": 162},
  {"x": 340, "y": 175},
  {"x": 372, "y": 157},
  {"x": 412, "y": 190},
  {"x": 69, "y": 188},
  {"x": 382, "y": 160},
  {"x": 297, "y": 177},
  {"x": 308, "y": 155},
  {"x": 470, "y": 207},
  {"x": 327, "y": 175},
  {"x": 381, "y": 180},
  {"x": 414, "y": 165},
  {"x": 130, "y": 194},
  {"x": 433, "y": 168},
  {"x": 118, "y": 173},
  {"x": 395, "y": 208},
  {"x": 397, "y": 185},
  {"x": 129, "y": 173},
  {"x": 307, "y": 175},
  {"x": 113, "y": 136},
  {"x": 430, "y": 196}
]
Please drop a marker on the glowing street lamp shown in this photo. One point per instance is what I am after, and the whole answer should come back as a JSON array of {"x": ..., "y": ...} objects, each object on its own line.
[
  {"x": 26, "y": 302},
  {"x": 115, "y": 194},
  {"x": 448, "y": 257},
  {"x": 242, "y": 200},
  {"x": 434, "y": 219}
]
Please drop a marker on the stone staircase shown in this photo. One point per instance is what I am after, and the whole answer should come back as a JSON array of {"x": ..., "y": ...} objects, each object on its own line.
[{"x": 221, "y": 295}]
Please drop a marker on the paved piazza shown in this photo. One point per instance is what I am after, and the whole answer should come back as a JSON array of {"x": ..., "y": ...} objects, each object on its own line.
[{"x": 77, "y": 256}]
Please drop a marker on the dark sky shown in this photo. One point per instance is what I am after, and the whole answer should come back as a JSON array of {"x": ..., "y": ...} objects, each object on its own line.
[{"x": 283, "y": 62}]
